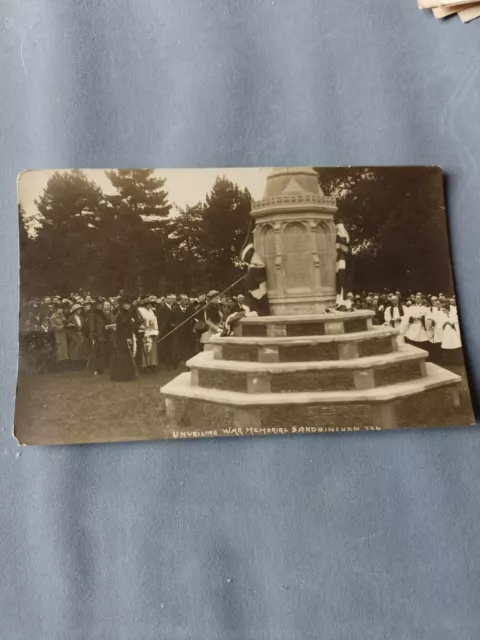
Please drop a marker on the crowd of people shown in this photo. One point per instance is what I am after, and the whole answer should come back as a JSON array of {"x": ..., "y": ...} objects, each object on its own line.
[
  {"x": 429, "y": 322},
  {"x": 125, "y": 336},
  {"x": 122, "y": 335}
]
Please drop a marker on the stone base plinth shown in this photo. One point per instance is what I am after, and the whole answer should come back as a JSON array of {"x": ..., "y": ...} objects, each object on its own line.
[
  {"x": 306, "y": 348},
  {"x": 417, "y": 403},
  {"x": 308, "y": 374},
  {"x": 308, "y": 304},
  {"x": 318, "y": 324},
  {"x": 289, "y": 377}
]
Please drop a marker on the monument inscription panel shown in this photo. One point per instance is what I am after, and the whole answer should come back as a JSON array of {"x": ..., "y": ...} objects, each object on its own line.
[{"x": 297, "y": 267}]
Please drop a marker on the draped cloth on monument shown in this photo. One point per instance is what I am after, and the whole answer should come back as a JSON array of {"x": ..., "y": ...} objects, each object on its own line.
[
  {"x": 343, "y": 266},
  {"x": 256, "y": 278}
]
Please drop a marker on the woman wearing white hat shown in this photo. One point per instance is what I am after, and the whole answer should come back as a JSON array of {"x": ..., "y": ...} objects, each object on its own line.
[
  {"x": 75, "y": 337},
  {"x": 58, "y": 322}
]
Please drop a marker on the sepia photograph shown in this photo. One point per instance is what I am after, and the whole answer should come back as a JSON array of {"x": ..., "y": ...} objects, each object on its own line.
[{"x": 197, "y": 303}]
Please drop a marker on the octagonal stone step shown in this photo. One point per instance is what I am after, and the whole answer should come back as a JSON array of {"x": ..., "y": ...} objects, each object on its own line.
[
  {"x": 342, "y": 346},
  {"x": 429, "y": 400},
  {"x": 305, "y": 325},
  {"x": 280, "y": 377}
]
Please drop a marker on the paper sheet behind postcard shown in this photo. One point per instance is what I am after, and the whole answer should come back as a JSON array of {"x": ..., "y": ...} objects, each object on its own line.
[{"x": 192, "y": 303}]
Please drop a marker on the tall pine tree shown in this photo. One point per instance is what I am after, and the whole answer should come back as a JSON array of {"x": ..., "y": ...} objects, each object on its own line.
[
  {"x": 67, "y": 241},
  {"x": 139, "y": 246},
  {"x": 189, "y": 259},
  {"x": 225, "y": 224}
]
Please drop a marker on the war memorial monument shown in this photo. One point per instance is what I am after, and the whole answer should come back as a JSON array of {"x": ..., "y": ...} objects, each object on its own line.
[{"x": 304, "y": 369}]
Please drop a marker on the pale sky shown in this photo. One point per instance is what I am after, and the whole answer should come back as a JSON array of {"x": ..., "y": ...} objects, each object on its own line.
[{"x": 184, "y": 186}]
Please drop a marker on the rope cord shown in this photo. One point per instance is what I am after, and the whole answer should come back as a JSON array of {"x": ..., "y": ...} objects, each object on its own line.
[{"x": 199, "y": 311}]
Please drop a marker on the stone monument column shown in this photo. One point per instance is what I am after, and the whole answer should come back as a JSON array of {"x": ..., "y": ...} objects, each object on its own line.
[{"x": 296, "y": 236}]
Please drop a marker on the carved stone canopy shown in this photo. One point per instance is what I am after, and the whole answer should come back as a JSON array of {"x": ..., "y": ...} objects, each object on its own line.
[{"x": 293, "y": 188}]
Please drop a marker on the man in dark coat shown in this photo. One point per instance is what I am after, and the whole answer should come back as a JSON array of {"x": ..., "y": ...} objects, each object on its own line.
[
  {"x": 123, "y": 366},
  {"x": 165, "y": 320},
  {"x": 43, "y": 347},
  {"x": 100, "y": 354},
  {"x": 183, "y": 339}
]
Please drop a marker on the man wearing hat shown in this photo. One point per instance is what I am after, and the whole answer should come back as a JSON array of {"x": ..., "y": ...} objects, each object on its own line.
[
  {"x": 123, "y": 366},
  {"x": 182, "y": 336},
  {"x": 99, "y": 355},
  {"x": 213, "y": 318},
  {"x": 86, "y": 310},
  {"x": 42, "y": 346},
  {"x": 241, "y": 302},
  {"x": 45, "y": 309}
]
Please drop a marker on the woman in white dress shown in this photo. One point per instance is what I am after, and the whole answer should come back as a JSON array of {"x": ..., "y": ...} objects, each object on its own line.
[
  {"x": 58, "y": 322},
  {"x": 148, "y": 330},
  {"x": 75, "y": 337}
]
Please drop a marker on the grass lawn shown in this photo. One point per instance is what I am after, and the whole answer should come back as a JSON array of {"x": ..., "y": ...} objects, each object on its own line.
[{"x": 77, "y": 407}]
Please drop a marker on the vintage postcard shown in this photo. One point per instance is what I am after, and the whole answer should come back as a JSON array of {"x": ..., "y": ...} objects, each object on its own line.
[{"x": 193, "y": 303}]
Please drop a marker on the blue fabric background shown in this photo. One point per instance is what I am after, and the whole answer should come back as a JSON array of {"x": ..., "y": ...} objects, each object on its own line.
[{"x": 336, "y": 537}]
